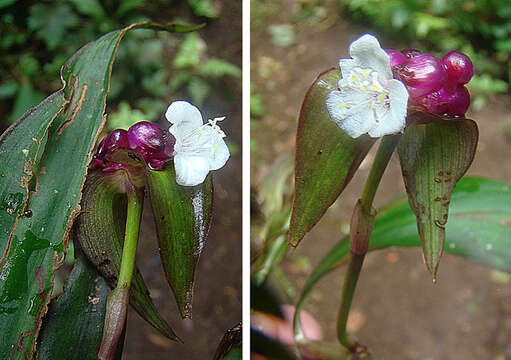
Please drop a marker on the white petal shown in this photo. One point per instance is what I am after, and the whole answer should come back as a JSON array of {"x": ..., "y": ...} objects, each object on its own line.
[
  {"x": 393, "y": 120},
  {"x": 346, "y": 66},
  {"x": 351, "y": 110},
  {"x": 220, "y": 155},
  {"x": 191, "y": 170},
  {"x": 368, "y": 54},
  {"x": 184, "y": 116}
]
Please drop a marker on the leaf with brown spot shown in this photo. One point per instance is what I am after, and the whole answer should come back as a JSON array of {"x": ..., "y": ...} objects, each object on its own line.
[
  {"x": 434, "y": 156},
  {"x": 28, "y": 242}
]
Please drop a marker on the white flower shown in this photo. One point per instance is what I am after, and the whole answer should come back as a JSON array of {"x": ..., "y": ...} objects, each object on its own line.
[
  {"x": 369, "y": 100},
  {"x": 199, "y": 147}
]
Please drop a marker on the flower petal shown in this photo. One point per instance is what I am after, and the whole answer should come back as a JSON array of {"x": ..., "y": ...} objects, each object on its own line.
[
  {"x": 191, "y": 170},
  {"x": 185, "y": 118},
  {"x": 393, "y": 120},
  {"x": 368, "y": 54},
  {"x": 346, "y": 66},
  {"x": 220, "y": 155},
  {"x": 351, "y": 110}
]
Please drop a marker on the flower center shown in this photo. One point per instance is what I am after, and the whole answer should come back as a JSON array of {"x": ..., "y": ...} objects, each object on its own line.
[{"x": 367, "y": 81}]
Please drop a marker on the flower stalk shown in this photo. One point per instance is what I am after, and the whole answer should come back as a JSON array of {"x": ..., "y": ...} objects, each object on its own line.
[
  {"x": 362, "y": 224},
  {"x": 117, "y": 300}
]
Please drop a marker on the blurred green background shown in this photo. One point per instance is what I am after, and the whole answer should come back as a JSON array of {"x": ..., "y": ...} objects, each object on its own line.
[{"x": 37, "y": 37}]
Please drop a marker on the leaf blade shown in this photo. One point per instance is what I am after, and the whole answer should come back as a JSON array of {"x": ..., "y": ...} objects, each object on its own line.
[
  {"x": 395, "y": 225},
  {"x": 433, "y": 157},
  {"x": 182, "y": 215},
  {"x": 326, "y": 158}
]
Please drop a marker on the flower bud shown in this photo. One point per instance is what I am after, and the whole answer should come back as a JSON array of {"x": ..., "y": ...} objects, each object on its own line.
[
  {"x": 453, "y": 101},
  {"x": 458, "y": 67},
  {"x": 113, "y": 141},
  {"x": 396, "y": 57},
  {"x": 422, "y": 74},
  {"x": 149, "y": 139},
  {"x": 145, "y": 136},
  {"x": 411, "y": 53}
]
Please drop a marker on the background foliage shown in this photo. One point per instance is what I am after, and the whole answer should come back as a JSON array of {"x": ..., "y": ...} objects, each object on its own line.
[{"x": 37, "y": 38}]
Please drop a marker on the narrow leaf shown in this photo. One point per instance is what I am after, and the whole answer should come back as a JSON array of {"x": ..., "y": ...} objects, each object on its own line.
[
  {"x": 434, "y": 156},
  {"x": 100, "y": 231},
  {"x": 75, "y": 320},
  {"x": 326, "y": 158},
  {"x": 40, "y": 195},
  {"x": 182, "y": 215},
  {"x": 479, "y": 230}
]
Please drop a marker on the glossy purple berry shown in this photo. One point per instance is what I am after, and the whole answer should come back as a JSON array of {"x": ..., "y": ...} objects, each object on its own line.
[
  {"x": 422, "y": 74},
  {"x": 459, "y": 101},
  {"x": 396, "y": 57},
  {"x": 458, "y": 67},
  {"x": 145, "y": 136},
  {"x": 115, "y": 140}
]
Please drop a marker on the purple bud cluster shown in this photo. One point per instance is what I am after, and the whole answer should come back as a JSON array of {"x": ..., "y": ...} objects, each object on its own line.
[
  {"x": 437, "y": 85},
  {"x": 151, "y": 141}
]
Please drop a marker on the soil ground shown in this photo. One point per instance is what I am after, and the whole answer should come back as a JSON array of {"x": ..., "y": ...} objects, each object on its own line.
[{"x": 397, "y": 311}]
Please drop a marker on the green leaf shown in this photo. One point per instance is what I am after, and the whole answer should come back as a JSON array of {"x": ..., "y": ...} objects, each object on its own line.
[
  {"x": 75, "y": 320},
  {"x": 203, "y": 8},
  {"x": 198, "y": 89},
  {"x": 479, "y": 230},
  {"x": 182, "y": 215},
  {"x": 326, "y": 158},
  {"x": 217, "y": 67},
  {"x": 26, "y": 98},
  {"x": 190, "y": 52},
  {"x": 50, "y": 22},
  {"x": 8, "y": 89},
  {"x": 100, "y": 231},
  {"x": 433, "y": 157},
  {"x": 230, "y": 345},
  {"x": 39, "y": 196},
  {"x": 89, "y": 7}
]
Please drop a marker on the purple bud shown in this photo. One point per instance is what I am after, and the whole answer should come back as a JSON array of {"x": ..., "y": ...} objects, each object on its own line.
[
  {"x": 453, "y": 101},
  {"x": 396, "y": 58},
  {"x": 411, "y": 53},
  {"x": 460, "y": 101},
  {"x": 113, "y": 141},
  {"x": 459, "y": 68},
  {"x": 145, "y": 136},
  {"x": 117, "y": 139},
  {"x": 422, "y": 74}
]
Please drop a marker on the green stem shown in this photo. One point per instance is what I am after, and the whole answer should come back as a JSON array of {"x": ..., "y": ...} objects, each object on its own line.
[
  {"x": 385, "y": 150},
  {"x": 362, "y": 224},
  {"x": 133, "y": 217},
  {"x": 117, "y": 300}
]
